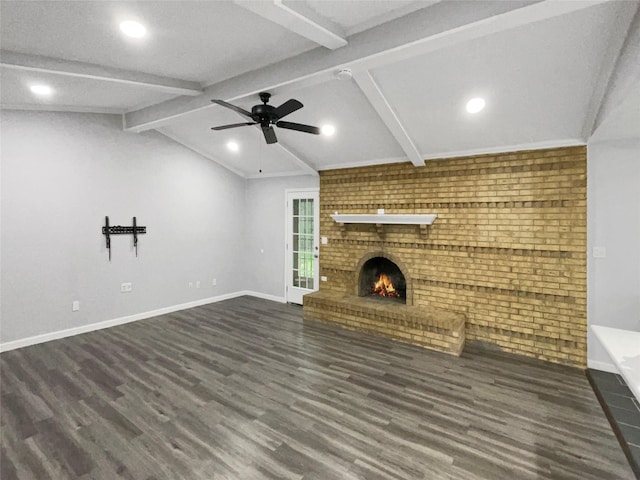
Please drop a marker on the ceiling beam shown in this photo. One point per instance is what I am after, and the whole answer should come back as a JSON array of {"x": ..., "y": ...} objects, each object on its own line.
[
  {"x": 36, "y": 63},
  {"x": 43, "y": 107},
  {"x": 441, "y": 25},
  {"x": 299, "y": 19},
  {"x": 371, "y": 90},
  {"x": 624, "y": 73}
]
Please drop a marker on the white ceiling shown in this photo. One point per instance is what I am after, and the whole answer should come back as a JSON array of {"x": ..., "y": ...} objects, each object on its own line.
[
  {"x": 360, "y": 138},
  {"x": 543, "y": 68},
  {"x": 537, "y": 81},
  {"x": 193, "y": 40},
  {"x": 254, "y": 154}
]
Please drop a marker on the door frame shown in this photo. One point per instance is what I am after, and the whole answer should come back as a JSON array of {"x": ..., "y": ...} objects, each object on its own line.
[{"x": 287, "y": 260}]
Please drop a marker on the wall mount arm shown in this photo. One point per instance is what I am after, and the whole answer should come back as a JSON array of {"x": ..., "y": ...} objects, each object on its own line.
[{"x": 134, "y": 230}]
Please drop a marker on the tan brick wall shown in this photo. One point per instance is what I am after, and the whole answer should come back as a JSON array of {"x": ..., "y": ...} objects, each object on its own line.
[{"x": 508, "y": 248}]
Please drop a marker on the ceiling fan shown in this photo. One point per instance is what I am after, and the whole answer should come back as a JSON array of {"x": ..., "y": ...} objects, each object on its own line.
[{"x": 268, "y": 115}]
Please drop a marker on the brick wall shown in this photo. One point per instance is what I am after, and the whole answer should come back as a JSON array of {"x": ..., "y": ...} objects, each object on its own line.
[{"x": 508, "y": 248}]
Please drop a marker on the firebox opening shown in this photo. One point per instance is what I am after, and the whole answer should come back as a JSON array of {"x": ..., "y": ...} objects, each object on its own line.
[{"x": 383, "y": 279}]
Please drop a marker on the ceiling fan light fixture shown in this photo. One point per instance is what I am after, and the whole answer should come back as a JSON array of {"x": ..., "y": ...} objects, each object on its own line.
[
  {"x": 475, "y": 105},
  {"x": 233, "y": 146},
  {"x": 328, "y": 130},
  {"x": 42, "y": 90},
  {"x": 133, "y": 29}
]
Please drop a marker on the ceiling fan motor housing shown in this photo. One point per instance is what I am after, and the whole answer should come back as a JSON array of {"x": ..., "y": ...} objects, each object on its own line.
[{"x": 264, "y": 114}]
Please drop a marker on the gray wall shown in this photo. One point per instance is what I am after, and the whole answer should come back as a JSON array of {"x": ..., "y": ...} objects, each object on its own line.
[
  {"x": 61, "y": 174},
  {"x": 613, "y": 222},
  {"x": 265, "y": 199}
]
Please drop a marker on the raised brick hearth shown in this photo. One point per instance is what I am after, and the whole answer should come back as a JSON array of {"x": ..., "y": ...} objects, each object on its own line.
[{"x": 428, "y": 327}]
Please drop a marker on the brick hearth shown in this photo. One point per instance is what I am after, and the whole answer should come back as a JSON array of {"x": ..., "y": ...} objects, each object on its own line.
[{"x": 432, "y": 328}]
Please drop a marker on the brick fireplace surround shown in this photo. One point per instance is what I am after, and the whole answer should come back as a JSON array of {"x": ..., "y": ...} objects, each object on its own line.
[{"x": 503, "y": 264}]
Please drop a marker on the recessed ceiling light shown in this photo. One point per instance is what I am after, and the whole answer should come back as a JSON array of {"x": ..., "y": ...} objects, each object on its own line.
[
  {"x": 233, "y": 146},
  {"x": 41, "y": 89},
  {"x": 134, "y": 29},
  {"x": 328, "y": 130},
  {"x": 475, "y": 105}
]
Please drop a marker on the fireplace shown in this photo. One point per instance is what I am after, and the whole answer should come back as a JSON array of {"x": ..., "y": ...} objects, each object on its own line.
[
  {"x": 379, "y": 299},
  {"x": 382, "y": 279}
]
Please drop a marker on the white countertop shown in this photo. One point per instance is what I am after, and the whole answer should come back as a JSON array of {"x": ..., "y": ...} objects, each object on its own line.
[{"x": 623, "y": 346}]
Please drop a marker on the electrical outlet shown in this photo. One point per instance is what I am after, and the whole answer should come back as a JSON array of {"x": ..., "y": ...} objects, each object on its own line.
[
  {"x": 198, "y": 284},
  {"x": 75, "y": 306},
  {"x": 214, "y": 282},
  {"x": 599, "y": 252},
  {"x": 323, "y": 278},
  {"x": 324, "y": 240},
  {"x": 190, "y": 284},
  {"x": 381, "y": 211},
  {"x": 126, "y": 287}
]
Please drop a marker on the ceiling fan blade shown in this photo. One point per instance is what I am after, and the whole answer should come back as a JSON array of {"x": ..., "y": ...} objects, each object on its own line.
[
  {"x": 239, "y": 110},
  {"x": 233, "y": 125},
  {"x": 269, "y": 134},
  {"x": 299, "y": 127},
  {"x": 287, "y": 107}
]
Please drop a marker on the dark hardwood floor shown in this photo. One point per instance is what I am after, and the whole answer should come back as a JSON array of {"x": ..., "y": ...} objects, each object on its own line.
[{"x": 244, "y": 389}]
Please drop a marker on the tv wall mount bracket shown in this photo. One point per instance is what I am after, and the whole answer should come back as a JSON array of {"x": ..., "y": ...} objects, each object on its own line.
[{"x": 134, "y": 230}]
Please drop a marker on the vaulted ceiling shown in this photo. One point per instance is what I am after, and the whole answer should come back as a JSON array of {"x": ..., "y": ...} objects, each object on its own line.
[{"x": 550, "y": 72}]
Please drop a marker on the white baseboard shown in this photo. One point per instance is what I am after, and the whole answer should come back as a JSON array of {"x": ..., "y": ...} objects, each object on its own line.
[
  {"x": 266, "y": 296},
  {"x": 47, "y": 337},
  {"x": 603, "y": 366}
]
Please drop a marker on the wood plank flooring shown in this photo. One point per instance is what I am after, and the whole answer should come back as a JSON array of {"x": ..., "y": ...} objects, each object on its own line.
[{"x": 244, "y": 389}]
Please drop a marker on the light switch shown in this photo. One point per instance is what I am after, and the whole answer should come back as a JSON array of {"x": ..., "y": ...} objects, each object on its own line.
[{"x": 599, "y": 252}]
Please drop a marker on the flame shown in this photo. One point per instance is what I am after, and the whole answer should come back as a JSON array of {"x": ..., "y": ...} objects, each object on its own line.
[{"x": 384, "y": 287}]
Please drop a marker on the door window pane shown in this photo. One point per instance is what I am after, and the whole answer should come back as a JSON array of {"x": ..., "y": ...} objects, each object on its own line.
[{"x": 302, "y": 243}]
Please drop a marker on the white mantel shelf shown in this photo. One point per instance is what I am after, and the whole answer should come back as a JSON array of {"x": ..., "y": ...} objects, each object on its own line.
[{"x": 385, "y": 219}]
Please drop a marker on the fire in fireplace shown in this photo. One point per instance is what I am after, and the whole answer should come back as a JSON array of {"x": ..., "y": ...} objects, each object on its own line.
[
  {"x": 382, "y": 278},
  {"x": 384, "y": 287}
]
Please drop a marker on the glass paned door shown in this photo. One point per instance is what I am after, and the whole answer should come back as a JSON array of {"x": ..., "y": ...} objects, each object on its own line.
[{"x": 302, "y": 244}]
